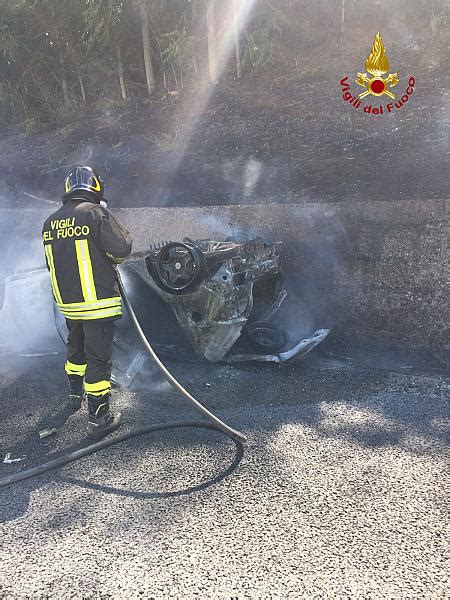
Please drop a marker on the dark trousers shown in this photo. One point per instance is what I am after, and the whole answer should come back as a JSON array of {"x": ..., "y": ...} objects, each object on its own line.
[{"x": 91, "y": 343}]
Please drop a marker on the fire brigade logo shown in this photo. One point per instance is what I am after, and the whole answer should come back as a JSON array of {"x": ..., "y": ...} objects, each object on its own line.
[{"x": 377, "y": 65}]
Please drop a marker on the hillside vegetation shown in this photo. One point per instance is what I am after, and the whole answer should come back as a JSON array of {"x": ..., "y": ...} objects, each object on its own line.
[{"x": 195, "y": 101}]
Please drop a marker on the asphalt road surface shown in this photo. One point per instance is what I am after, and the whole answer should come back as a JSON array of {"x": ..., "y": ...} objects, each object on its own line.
[{"x": 339, "y": 492}]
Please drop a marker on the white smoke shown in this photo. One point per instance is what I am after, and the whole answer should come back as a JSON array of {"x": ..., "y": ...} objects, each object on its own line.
[{"x": 26, "y": 315}]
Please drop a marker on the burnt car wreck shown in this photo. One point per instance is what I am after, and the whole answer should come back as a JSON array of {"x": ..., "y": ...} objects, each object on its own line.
[
  {"x": 196, "y": 300},
  {"x": 222, "y": 293}
]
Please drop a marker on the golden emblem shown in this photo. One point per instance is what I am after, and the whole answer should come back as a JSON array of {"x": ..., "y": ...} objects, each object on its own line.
[{"x": 377, "y": 65}]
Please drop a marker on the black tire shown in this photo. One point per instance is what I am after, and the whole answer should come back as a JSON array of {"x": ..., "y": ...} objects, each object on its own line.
[
  {"x": 179, "y": 267},
  {"x": 264, "y": 334}
]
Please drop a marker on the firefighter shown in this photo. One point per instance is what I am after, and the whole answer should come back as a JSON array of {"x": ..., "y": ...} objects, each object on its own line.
[{"x": 82, "y": 243}]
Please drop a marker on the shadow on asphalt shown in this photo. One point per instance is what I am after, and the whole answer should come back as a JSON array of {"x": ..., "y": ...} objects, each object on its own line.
[
  {"x": 107, "y": 489},
  {"x": 28, "y": 413},
  {"x": 14, "y": 499},
  {"x": 386, "y": 409}
]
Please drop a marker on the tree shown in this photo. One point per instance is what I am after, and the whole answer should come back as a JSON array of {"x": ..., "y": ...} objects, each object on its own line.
[
  {"x": 146, "y": 47},
  {"x": 236, "y": 41},
  {"x": 212, "y": 40},
  {"x": 105, "y": 35}
]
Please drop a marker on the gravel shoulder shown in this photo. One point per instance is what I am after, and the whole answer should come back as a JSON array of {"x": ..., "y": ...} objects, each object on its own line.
[{"x": 339, "y": 491}]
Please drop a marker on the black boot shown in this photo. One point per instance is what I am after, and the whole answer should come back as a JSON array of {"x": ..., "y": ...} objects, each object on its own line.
[
  {"x": 76, "y": 394},
  {"x": 101, "y": 420}
]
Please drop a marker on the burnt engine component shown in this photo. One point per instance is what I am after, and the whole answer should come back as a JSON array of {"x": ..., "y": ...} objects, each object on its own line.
[{"x": 214, "y": 288}]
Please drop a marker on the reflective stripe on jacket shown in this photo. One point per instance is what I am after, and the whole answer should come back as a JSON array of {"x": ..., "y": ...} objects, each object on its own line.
[{"x": 82, "y": 240}]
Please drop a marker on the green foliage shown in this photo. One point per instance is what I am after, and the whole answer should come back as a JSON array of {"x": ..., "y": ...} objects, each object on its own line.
[
  {"x": 174, "y": 46},
  {"x": 177, "y": 54},
  {"x": 260, "y": 40},
  {"x": 61, "y": 57},
  {"x": 257, "y": 50}
]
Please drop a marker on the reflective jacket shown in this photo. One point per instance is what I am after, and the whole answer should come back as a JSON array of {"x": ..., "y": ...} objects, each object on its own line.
[{"x": 82, "y": 240}]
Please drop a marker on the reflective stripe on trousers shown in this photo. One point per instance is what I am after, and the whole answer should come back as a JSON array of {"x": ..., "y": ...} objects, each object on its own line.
[
  {"x": 100, "y": 388},
  {"x": 73, "y": 369}
]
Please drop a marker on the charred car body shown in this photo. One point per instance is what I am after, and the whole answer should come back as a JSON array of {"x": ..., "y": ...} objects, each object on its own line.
[
  {"x": 222, "y": 293},
  {"x": 202, "y": 299}
]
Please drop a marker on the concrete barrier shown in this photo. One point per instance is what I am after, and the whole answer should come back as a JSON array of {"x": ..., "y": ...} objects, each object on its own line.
[{"x": 361, "y": 267}]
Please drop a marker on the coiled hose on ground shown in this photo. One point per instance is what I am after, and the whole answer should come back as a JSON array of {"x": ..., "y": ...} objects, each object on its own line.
[{"x": 214, "y": 422}]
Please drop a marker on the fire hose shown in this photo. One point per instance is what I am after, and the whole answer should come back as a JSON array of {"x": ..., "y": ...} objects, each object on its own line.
[{"x": 214, "y": 422}]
